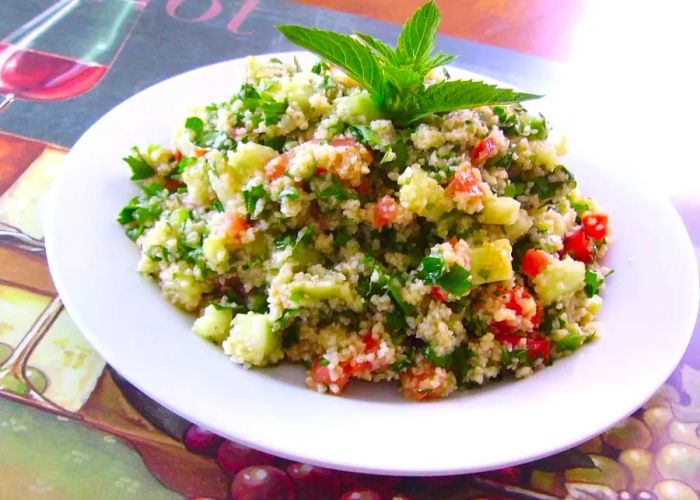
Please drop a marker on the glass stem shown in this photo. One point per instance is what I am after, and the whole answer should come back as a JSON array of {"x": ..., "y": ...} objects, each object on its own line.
[
  {"x": 6, "y": 100},
  {"x": 17, "y": 362}
]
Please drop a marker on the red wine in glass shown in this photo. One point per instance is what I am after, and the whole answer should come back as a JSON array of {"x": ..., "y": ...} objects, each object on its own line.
[
  {"x": 43, "y": 76},
  {"x": 31, "y": 70}
]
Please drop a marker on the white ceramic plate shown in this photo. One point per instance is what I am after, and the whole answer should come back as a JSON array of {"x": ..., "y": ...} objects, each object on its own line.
[{"x": 648, "y": 315}]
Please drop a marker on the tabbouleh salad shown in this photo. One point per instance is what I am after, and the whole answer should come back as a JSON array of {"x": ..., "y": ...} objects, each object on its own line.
[{"x": 301, "y": 221}]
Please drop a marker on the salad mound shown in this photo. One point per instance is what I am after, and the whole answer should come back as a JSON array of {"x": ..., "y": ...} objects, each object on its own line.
[{"x": 336, "y": 219}]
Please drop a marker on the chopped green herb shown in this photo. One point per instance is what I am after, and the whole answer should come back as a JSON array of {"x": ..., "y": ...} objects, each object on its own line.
[
  {"x": 251, "y": 196},
  {"x": 317, "y": 68},
  {"x": 430, "y": 355},
  {"x": 218, "y": 206},
  {"x": 396, "y": 324},
  {"x": 153, "y": 189},
  {"x": 393, "y": 286},
  {"x": 195, "y": 124},
  {"x": 290, "y": 193},
  {"x": 276, "y": 143},
  {"x": 236, "y": 308},
  {"x": 185, "y": 162},
  {"x": 273, "y": 111},
  {"x": 484, "y": 273},
  {"x": 290, "y": 336},
  {"x": 365, "y": 135},
  {"x": 139, "y": 168},
  {"x": 432, "y": 268},
  {"x": 287, "y": 316},
  {"x": 593, "y": 282},
  {"x": 323, "y": 361},
  {"x": 283, "y": 242},
  {"x": 581, "y": 207},
  {"x": 335, "y": 190},
  {"x": 457, "y": 280},
  {"x": 251, "y": 263},
  {"x": 514, "y": 189},
  {"x": 341, "y": 237},
  {"x": 570, "y": 343}
]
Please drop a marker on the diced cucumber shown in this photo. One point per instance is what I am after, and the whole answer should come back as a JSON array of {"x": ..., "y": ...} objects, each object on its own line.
[
  {"x": 252, "y": 340},
  {"x": 422, "y": 194},
  {"x": 306, "y": 254},
  {"x": 357, "y": 109},
  {"x": 499, "y": 210},
  {"x": 520, "y": 227},
  {"x": 214, "y": 324},
  {"x": 179, "y": 216},
  {"x": 215, "y": 251},
  {"x": 559, "y": 280},
  {"x": 320, "y": 290},
  {"x": 491, "y": 262},
  {"x": 298, "y": 89},
  {"x": 246, "y": 161}
]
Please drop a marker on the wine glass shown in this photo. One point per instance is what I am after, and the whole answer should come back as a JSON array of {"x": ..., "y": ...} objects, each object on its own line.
[
  {"x": 62, "y": 53},
  {"x": 66, "y": 50}
]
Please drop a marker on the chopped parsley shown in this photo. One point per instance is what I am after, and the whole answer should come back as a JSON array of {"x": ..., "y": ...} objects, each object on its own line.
[{"x": 139, "y": 168}]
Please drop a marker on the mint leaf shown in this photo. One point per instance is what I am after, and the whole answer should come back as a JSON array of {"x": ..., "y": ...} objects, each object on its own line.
[
  {"x": 417, "y": 38},
  {"x": 356, "y": 59},
  {"x": 455, "y": 94},
  {"x": 395, "y": 78},
  {"x": 381, "y": 48}
]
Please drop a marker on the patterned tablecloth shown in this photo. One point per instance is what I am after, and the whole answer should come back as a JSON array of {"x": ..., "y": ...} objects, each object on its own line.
[{"x": 70, "y": 427}]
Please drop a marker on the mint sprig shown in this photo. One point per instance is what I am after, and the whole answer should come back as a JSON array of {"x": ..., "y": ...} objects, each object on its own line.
[{"x": 395, "y": 77}]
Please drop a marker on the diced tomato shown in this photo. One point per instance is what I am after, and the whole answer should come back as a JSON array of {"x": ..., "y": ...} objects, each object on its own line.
[
  {"x": 509, "y": 339},
  {"x": 438, "y": 293},
  {"x": 371, "y": 344},
  {"x": 538, "y": 347},
  {"x": 385, "y": 211},
  {"x": 454, "y": 241},
  {"x": 236, "y": 225},
  {"x": 276, "y": 167},
  {"x": 595, "y": 225},
  {"x": 576, "y": 244},
  {"x": 413, "y": 381},
  {"x": 343, "y": 141},
  {"x": 178, "y": 156},
  {"x": 467, "y": 181},
  {"x": 483, "y": 150},
  {"x": 534, "y": 261},
  {"x": 322, "y": 375},
  {"x": 321, "y": 170},
  {"x": 198, "y": 152},
  {"x": 515, "y": 297},
  {"x": 502, "y": 327},
  {"x": 516, "y": 300},
  {"x": 364, "y": 188},
  {"x": 172, "y": 184},
  {"x": 537, "y": 318},
  {"x": 371, "y": 347}
]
